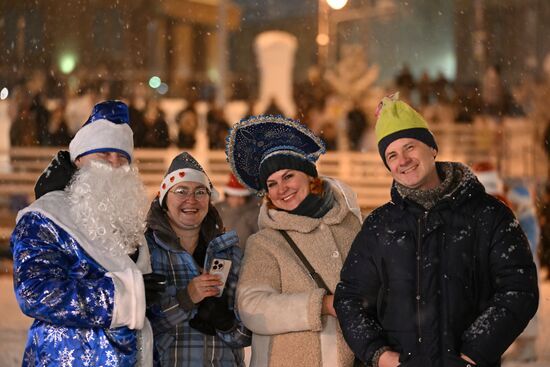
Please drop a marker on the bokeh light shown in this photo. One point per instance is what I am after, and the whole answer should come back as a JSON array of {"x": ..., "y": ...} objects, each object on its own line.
[
  {"x": 4, "y": 93},
  {"x": 67, "y": 62},
  {"x": 322, "y": 39},
  {"x": 155, "y": 82},
  {"x": 162, "y": 88}
]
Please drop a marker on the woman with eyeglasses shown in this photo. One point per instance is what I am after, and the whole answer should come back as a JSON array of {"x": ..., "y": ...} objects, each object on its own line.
[{"x": 194, "y": 322}]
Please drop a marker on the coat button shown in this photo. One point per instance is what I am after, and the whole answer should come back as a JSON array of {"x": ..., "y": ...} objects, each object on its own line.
[{"x": 335, "y": 254}]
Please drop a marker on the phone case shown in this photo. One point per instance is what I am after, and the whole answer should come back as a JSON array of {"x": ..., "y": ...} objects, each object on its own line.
[{"x": 221, "y": 267}]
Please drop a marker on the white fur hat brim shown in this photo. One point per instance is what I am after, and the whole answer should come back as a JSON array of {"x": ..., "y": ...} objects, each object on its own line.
[
  {"x": 186, "y": 175},
  {"x": 236, "y": 192},
  {"x": 102, "y": 136}
]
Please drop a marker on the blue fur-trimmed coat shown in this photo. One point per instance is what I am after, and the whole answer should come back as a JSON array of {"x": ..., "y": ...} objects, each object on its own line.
[{"x": 88, "y": 306}]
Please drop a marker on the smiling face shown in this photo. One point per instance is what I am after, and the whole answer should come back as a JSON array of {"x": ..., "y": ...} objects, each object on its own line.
[
  {"x": 287, "y": 188},
  {"x": 412, "y": 164},
  {"x": 187, "y": 206}
]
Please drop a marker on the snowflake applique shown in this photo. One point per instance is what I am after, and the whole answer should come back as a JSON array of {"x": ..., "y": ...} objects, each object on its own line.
[
  {"x": 112, "y": 359},
  {"x": 102, "y": 299},
  {"x": 103, "y": 342},
  {"x": 30, "y": 358},
  {"x": 55, "y": 334},
  {"x": 61, "y": 314},
  {"x": 46, "y": 235},
  {"x": 23, "y": 256},
  {"x": 86, "y": 335},
  {"x": 34, "y": 272},
  {"x": 21, "y": 231},
  {"x": 87, "y": 358},
  {"x": 65, "y": 358},
  {"x": 97, "y": 320}
]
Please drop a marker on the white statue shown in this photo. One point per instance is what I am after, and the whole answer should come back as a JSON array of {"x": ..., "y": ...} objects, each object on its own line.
[{"x": 275, "y": 54}]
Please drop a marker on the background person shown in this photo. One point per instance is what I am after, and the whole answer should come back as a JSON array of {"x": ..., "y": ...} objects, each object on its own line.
[
  {"x": 239, "y": 209},
  {"x": 192, "y": 326},
  {"x": 291, "y": 315},
  {"x": 441, "y": 275}
]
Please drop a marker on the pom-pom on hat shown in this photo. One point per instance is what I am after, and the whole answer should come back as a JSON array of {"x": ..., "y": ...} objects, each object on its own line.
[
  {"x": 260, "y": 145},
  {"x": 235, "y": 188},
  {"x": 106, "y": 130},
  {"x": 397, "y": 120},
  {"x": 185, "y": 168}
]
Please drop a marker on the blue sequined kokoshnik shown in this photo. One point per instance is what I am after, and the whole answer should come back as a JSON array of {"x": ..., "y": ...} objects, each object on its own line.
[{"x": 252, "y": 140}]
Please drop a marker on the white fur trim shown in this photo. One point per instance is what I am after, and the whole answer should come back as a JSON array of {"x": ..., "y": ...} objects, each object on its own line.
[
  {"x": 102, "y": 134},
  {"x": 146, "y": 352},
  {"x": 55, "y": 205},
  {"x": 236, "y": 192},
  {"x": 186, "y": 175},
  {"x": 129, "y": 299},
  {"x": 329, "y": 351}
]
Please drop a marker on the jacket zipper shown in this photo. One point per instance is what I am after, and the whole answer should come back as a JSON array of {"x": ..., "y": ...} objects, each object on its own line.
[{"x": 421, "y": 222}]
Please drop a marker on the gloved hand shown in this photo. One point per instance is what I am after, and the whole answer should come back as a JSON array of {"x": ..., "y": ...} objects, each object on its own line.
[
  {"x": 56, "y": 176},
  {"x": 215, "y": 312},
  {"x": 155, "y": 285},
  {"x": 216, "y": 309}
]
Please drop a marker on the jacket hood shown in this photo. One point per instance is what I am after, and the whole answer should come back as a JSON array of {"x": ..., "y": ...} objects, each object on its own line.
[
  {"x": 345, "y": 201},
  {"x": 467, "y": 187},
  {"x": 158, "y": 223}
]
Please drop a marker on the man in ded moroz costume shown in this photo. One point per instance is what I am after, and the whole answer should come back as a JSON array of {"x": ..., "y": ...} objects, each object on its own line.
[{"x": 79, "y": 255}]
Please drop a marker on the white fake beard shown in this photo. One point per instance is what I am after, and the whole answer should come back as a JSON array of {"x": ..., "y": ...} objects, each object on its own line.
[{"x": 110, "y": 205}]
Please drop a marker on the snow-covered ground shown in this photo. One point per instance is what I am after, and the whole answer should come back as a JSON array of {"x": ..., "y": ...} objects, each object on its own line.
[{"x": 14, "y": 325}]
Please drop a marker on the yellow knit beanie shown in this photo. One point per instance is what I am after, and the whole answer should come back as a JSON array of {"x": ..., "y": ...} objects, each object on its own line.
[{"x": 396, "y": 120}]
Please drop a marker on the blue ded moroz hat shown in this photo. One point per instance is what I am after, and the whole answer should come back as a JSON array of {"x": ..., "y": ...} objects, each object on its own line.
[
  {"x": 106, "y": 130},
  {"x": 260, "y": 145}
]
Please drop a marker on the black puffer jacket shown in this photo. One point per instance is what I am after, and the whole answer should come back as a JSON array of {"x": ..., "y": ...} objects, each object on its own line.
[{"x": 458, "y": 278}]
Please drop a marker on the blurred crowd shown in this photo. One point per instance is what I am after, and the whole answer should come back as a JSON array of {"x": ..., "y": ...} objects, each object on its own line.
[{"x": 38, "y": 120}]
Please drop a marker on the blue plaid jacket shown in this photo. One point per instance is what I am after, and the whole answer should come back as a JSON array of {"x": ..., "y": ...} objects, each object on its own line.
[{"x": 176, "y": 343}]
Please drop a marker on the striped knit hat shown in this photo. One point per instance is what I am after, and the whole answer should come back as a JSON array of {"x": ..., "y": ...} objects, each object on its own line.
[{"x": 397, "y": 120}]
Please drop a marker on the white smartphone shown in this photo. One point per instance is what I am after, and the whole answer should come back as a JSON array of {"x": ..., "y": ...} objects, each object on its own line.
[{"x": 221, "y": 267}]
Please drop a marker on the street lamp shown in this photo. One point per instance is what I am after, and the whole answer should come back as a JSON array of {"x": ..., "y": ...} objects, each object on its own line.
[
  {"x": 337, "y": 4},
  {"x": 323, "y": 34}
]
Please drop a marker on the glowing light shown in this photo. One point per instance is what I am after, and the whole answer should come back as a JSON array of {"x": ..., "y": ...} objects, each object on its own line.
[
  {"x": 4, "y": 93},
  {"x": 163, "y": 88},
  {"x": 155, "y": 82},
  {"x": 322, "y": 39},
  {"x": 337, "y": 4},
  {"x": 67, "y": 62}
]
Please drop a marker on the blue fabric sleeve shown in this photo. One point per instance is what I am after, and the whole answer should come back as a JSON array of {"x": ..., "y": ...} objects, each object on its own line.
[{"x": 55, "y": 280}]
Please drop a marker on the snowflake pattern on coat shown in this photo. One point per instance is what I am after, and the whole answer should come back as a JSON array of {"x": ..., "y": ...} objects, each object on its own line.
[{"x": 71, "y": 299}]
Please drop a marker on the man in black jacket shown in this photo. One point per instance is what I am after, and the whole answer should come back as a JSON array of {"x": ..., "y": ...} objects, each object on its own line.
[{"x": 441, "y": 275}]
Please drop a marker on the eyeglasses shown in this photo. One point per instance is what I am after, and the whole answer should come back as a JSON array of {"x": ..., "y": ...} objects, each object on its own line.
[{"x": 183, "y": 193}]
